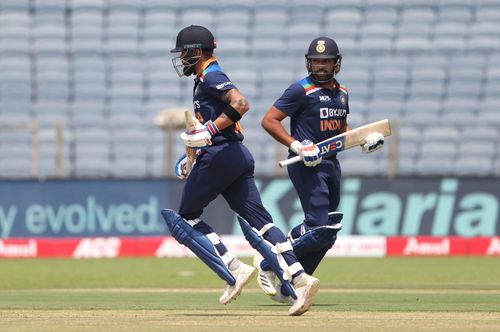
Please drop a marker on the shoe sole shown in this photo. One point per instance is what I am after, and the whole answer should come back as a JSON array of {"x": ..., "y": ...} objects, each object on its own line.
[
  {"x": 239, "y": 288},
  {"x": 308, "y": 299}
]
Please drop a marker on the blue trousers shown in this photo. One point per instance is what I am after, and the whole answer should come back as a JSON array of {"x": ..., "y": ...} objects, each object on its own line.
[
  {"x": 318, "y": 189},
  {"x": 319, "y": 193},
  {"x": 228, "y": 170}
]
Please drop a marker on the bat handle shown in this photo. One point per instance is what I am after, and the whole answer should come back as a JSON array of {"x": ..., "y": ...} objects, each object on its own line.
[{"x": 290, "y": 161}]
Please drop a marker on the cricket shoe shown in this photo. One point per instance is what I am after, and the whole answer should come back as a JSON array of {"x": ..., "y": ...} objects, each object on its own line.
[
  {"x": 265, "y": 279},
  {"x": 306, "y": 287},
  {"x": 243, "y": 274},
  {"x": 279, "y": 297}
]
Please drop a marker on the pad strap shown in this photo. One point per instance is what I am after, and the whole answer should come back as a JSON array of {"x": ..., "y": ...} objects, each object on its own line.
[
  {"x": 280, "y": 248},
  {"x": 264, "y": 229},
  {"x": 267, "y": 250}
]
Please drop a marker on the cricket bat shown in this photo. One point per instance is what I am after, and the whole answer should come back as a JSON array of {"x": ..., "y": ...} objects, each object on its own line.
[
  {"x": 190, "y": 152},
  {"x": 347, "y": 140}
]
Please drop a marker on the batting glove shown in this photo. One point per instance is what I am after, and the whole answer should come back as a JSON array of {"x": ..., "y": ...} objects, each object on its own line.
[
  {"x": 181, "y": 168},
  {"x": 373, "y": 142},
  {"x": 201, "y": 136},
  {"x": 308, "y": 152}
]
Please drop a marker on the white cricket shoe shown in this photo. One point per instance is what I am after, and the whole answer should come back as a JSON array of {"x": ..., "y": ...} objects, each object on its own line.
[
  {"x": 306, "y": 287},
  {"x": 243, "y": 274},
  {"x": 265, "y": 279},
  {"x": 279, "y": 297}
]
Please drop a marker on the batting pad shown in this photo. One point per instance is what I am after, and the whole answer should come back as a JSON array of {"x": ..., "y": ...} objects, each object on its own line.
[
  {"x": 198, "y": 243},
  {"x": 271, "y": 255},
  {"x": 319, "y": 238}
]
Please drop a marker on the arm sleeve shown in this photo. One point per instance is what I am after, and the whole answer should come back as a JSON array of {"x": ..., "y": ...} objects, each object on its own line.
[
  {"x": 218, "y": 83},
  {"x": 291, "y": 100}
]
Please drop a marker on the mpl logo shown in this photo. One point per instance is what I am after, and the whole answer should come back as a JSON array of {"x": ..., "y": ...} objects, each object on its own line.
[{"x": 325, "y": 98}]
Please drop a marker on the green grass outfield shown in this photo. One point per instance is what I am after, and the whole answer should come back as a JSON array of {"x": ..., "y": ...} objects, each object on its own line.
[{"x": 356, "y": 294}]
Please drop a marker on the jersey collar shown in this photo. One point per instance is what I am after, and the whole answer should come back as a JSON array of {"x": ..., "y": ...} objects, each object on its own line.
[{"x": 205, "y": 65}]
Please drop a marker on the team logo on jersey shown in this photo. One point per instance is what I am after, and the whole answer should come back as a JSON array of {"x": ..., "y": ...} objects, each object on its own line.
[
  {"x": 342, "y": 100},
  {"x": 325, "y": 98},
  {"x": 320, "y": 47}
]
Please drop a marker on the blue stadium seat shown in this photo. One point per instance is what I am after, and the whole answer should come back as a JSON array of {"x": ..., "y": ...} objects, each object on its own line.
[
  {"x": 424, "y": 15},
  {"x": 277, "y": 16},
  {"x": 377, "y": 29},
  {"x": 380, "y": 44},
  {"x": 448, "y": 43},
  {"x": 48, "y": 5},
  {"x": 199, "y": 16},
  {"x": 473, "y": 166},
  {"x": 91, "y": 135},
  {"x": 440, "y": 149},
  {"x": 87, "y": 5},
  {"x": 383, "y": 14},
  {"x": 342, "y": 16},
  {"x": 129, "y": 167},
  {"x": 19, "y": 168},
  {"x": 454, "y": 11},
  {"x": 434, "y": 166},
  {"x": 413, "y": 44},
  {"x": 228, "y": 16},
  {"x": 458, "y": 119},
  {"x": 14, "y": 47},
  {"x": 88, "y": 166},
  {"x": 21, "y": 5},
  {"x": 14, "y": 32}
]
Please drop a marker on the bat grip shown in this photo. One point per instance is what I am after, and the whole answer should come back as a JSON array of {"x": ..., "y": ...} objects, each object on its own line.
[{"x": 290, "y": 161}]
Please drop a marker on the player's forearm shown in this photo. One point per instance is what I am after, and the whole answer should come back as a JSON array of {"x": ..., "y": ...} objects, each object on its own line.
[
  {"x": 276, "y": 130},
  {"x": 239, "y": 104}
]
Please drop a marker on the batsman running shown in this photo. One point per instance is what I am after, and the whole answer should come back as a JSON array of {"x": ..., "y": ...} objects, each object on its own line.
[
  {"x": 224, "y": 166},
  {"x": 318, "y": 107}
]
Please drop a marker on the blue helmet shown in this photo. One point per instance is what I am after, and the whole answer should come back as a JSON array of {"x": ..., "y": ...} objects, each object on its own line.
[{"x": 323, "y": 48}]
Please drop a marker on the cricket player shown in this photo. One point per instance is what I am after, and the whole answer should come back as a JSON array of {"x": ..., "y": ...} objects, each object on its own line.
[
  {"x": 224, "y": 166},
  {"x": 318, "y": 107}
]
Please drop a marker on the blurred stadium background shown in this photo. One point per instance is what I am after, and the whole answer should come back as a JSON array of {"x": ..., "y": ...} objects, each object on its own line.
[
  {"x": 84, "y": 169},
  {"x": 82, "y": 80}
]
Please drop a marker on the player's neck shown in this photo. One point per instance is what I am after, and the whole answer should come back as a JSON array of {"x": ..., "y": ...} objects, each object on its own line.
[
  {"x": 328, "y": 85},
  {"x": 203, "y": 64}
]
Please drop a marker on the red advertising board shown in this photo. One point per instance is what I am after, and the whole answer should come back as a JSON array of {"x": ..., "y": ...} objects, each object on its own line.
[{"x": 353, "y": 246}]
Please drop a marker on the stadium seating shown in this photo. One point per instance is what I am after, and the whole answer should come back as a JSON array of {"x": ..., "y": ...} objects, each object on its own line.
[{"x": 102, "y": 69}]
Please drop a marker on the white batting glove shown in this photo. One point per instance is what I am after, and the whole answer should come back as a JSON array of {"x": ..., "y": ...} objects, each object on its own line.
[
  {"x": 201, "y": 136},
  {"x": 181, "y": 170},
  {"x": 373, "y": 142},
  {"x": 308, "y": 152}
]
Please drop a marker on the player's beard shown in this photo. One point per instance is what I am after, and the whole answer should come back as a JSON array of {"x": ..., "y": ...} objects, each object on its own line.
[
  {"x": 185, "y": 65},
  {"x": 189, "y": 66},
  {"x": 322, "y": 76}
]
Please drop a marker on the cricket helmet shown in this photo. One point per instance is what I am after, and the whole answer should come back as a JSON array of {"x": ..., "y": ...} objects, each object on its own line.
[
  {"x": 323, "y": 48},
  {"x": 188, "y": 40}
]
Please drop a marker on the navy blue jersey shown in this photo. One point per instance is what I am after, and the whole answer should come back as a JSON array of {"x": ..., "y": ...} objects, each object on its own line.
[
  {"x": 316, "y": 113},
  {"x": 209, "y": 87}
]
